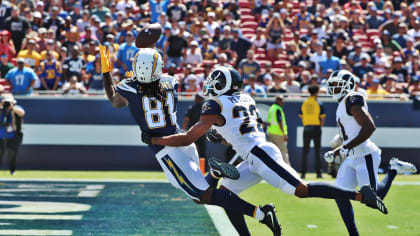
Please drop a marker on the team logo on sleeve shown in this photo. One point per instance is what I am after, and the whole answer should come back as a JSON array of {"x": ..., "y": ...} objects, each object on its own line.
[{"x": 205, "y": 108}]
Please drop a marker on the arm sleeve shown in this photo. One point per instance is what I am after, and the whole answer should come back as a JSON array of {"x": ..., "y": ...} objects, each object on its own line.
[
  {"x": 355, "y": 99},
  {"x": 211, "y": 107}
]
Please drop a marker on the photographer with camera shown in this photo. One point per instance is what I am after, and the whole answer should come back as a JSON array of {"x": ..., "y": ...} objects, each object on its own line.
[{"x": 11, "y": 119}]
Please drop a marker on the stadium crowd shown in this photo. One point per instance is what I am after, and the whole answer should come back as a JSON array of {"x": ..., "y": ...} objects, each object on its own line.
[{"x": 278, "y": 46}]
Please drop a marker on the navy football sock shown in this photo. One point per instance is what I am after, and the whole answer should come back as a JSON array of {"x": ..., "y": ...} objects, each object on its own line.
[
  {"x": 238, "y": 221},
  {"x": 232, "y": 203},
  {"x": 346, "y": 211},
  {"x": 385, "y": 184},
  {"x": 211, "y": 181},
  {"x": 326, "y": 190}
]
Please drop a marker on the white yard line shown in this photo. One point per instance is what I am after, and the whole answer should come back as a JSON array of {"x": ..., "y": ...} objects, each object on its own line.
[
  {"x": 221, "y": 221},
  {"x": 35, "y": 232}
]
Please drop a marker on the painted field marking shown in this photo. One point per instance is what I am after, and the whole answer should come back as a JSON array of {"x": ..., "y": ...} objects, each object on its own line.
[
  {"x": 35, "y": 232},
  {"x": 401, "y": 183},
  {"x": 43, "y": 207},
  {"x": 221, "y": 221},
  {"x": 392, "y": 227},
  {"x": 40, "y": 217},
  {"x": 312, "y": 226},
  {"x": 5, "y": 223}
]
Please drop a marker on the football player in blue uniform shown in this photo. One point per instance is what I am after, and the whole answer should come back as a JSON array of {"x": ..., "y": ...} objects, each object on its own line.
[
  {"x": 235, "y": 117},
  {"x": 361, "y": 156},
  {"x": 152, "y": 101}
]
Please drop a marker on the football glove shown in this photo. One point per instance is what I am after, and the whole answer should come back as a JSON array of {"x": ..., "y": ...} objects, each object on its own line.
[
  {"x": 344, "y": 152},
  {"x": 146, "y": 137},
  {"x": 213, "y": 136},
  {"x": 106, "y": 63},
  {"x": 329, "y": 156},
  {"x": 129, "y": 74}
]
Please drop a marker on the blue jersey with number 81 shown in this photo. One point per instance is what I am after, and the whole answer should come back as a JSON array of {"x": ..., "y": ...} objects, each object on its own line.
[{"x": 153, "y": 116}]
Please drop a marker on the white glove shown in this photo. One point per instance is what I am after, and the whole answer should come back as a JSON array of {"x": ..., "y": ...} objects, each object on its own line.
[
  {"x": 344, "y": 152},
  {"x": 329, "y": 157}
]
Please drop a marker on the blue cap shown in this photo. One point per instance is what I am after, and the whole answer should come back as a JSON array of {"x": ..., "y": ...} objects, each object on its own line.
[
  {"x": 415, "y": 78},
  {"x": 375, "y": 81}
]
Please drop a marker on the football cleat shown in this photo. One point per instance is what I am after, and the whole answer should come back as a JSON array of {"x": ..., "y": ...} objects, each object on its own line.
[
  {"x": 402, "y": 167},
  {"x": 219, "y": 169},
  {"x": 372, "y": 200},
  {"x": 270, "y": 219}
]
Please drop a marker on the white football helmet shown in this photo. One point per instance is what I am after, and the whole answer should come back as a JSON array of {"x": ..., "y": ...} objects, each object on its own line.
[
  {"x": 147, "y": 65},
  {"x": 222, "y": 80},
  {"x": 340, "y": 83}
]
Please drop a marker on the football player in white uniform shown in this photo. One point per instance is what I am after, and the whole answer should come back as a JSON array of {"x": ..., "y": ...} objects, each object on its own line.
[
  {"x": 152, "y": 101},
  {"x": 362, "y": 156},
  {"x": 235, "y": 117}
]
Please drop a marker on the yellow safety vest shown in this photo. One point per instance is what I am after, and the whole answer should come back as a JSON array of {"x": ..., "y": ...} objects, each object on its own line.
[{"x": 274, "y": 127}]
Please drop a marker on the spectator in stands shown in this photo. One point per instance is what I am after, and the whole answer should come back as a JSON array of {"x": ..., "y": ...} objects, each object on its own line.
[
  {"x": 249, "y": 66},
  {"x": 375, "y": 91},
  {"x": 176, "y": 11},
  {"x": 193, "y": 55},
  {"x": 363, "y": 67},
  {"x": 87, "y": 56},
  {"x": 318, "y": 56},
  {"x": 277, "y": 83},
  {"x": 21, "y": 79},
  {"x": 207, "y": 50},
  {"x": 74, "y": 65},
  {"x": 401, "y": 37},
  {"x": 303, "y": 57},
  {"x": 164, "y": 38},
  {"x": 414, "y": 88},
  {"x": 222, "y": 60},
  {"x": 373, "y": 20},
  {"x": 100, "y": 10},
  {"x": 50, "y": 47},
  {"x": 340, "y": 49},
  {"x": 290, "y": 84},
  {"x": 356, "y": 55},
  {"x": 415, "y": 27},
  {"x": 274, "y": 33},
  {"x": 72, "y": 87},
  {"x": 413, "y": 64},
  {"x": 211, "y": 24},
  {"x": 266, "y": 74},
  {"x": 390, "y": 85},
  {"x": 253, "y": 88},
  {"x": 6, "y": 10},
  {"x": 259, "y": 40},
  {"x": 191, "y": 84},
  {"x": 239, "y": 45},
  {"x": 7, "y": 45},
  {"x": 30, "y": 56},
  {"x": 5, "y": 65},
  {"x": 95, "y": 83},
  {"x": 55, "y": 22},
  {"x": 389, "y": 45},
  {"x": 392, "y": 26},
  {"x": 264, "y": 8},
  {"x": 306, "y": 78},
  {"x": 158, "y": 7},
  {"x": 379, "y": 59},
  {"x": 50, "y": 72},
  {"x": 18, "y": 26},
  {"x": 409, "y": 50},
  {"x": 175, "y": 48},
  {"x": 400, "y": 70},
  {"x": 330, "y": 62},
  {"x": 126, "y": 53}
]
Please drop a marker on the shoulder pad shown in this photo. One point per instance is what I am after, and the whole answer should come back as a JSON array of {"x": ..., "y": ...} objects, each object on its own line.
[
  {"x": 211, "y": 107},
  {"x": 354, "y": 99},
  {"x": 128, "y": 85},
  {"x": 168, "y": 83}
]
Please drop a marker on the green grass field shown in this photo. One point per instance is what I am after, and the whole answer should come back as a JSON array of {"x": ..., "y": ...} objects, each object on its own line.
[{"x": 159, "y": 209}]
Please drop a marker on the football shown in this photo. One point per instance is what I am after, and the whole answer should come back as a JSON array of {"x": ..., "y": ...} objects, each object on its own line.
[{"x": 148, "y": 36}]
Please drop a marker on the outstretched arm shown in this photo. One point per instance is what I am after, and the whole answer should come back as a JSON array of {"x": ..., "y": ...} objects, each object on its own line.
[
  {"x": 185, "y": 139},
  {"x": 115, "y": 98}
]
